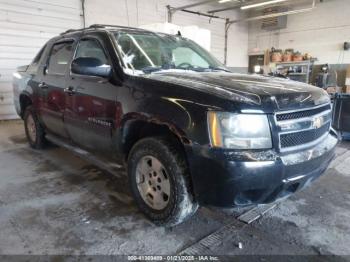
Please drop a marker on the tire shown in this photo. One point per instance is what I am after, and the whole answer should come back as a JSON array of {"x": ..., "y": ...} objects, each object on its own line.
[
  {"x": 171, "y": 209},
  {"x": 34, "y": 131}
]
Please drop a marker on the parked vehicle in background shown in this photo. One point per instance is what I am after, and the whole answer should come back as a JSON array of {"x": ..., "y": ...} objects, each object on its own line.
[{"x": 189, "y": 131}]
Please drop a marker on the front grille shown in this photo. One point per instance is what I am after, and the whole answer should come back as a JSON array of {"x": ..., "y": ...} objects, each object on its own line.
[
  {"x": 304, "y": 137},
  {"x": 301, "y": 128},
  {"x": 302, "y": 114}
]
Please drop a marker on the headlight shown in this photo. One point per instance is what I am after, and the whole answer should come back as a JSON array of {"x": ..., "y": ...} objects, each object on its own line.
[{"x": 239, "y": 131}]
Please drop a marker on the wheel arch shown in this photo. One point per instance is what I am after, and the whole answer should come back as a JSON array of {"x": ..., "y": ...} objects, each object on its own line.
[
  {"x": 140, "y": 126},
  {"x": 24, "y": 101}
]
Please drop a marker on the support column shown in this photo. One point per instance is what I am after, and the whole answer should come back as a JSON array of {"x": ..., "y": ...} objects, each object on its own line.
[{"x": 227, "y": 27}]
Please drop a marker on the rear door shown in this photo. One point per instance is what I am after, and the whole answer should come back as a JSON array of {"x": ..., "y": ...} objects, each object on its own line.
[
  {"x": 52, "y": 84},
  {"x": 91, "y": 107}
]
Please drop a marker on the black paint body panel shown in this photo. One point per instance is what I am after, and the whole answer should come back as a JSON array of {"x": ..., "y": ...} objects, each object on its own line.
[{"x": 98, "y": 116}]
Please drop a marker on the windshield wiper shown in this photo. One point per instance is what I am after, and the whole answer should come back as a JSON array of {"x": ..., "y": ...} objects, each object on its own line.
[
  {"x": 193, "y": 68},
  {"x": 151, "y": 69},
  {"x": 203, "y": 69},
  {"x": 219, "y": 69}
]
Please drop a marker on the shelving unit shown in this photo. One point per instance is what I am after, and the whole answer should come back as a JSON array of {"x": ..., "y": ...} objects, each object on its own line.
[{"x": 298, "y": 71}]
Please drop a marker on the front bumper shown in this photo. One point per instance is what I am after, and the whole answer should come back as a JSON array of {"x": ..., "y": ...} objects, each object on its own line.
[{"x": 225, "y": 178}]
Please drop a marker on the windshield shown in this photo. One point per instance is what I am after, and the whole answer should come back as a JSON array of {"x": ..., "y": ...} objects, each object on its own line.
[{"x": 149, "y": 52}]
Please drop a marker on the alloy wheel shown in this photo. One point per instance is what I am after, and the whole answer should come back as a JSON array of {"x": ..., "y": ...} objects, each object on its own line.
[
  {"x": 31, "y": 127},
  {"x": 153, "y": 182}
]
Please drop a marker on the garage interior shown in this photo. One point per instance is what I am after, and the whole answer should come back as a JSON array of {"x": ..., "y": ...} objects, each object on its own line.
[{"x": 54, "y": 202}]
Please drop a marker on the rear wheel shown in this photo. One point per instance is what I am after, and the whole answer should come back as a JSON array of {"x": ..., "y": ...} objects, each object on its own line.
[
  {"x": 159, "y": 180},
  {"x": 34, "y": 130}
]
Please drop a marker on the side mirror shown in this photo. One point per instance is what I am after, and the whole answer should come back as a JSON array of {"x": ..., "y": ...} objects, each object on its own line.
[{"x": 90, "y": 66}]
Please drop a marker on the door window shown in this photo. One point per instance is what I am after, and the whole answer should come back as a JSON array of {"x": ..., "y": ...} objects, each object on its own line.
[
  {"x": 91, "y": 48},
  {"x": 59, "y": 58}
]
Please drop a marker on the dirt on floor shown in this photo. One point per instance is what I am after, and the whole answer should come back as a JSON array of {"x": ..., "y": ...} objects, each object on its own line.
[{"x": 54, "y": 203}]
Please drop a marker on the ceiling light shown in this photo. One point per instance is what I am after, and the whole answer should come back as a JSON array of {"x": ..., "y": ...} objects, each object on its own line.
[
  {"x": 262, "y": 4},
  {"x": 224, "y": 1}
]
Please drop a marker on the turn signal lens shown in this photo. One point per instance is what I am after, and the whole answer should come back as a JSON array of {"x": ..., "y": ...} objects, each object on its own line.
[{"x": 214, "y": 127}]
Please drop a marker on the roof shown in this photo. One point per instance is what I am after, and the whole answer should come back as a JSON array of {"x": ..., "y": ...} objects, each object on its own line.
[{"x": 102, "y": 26}]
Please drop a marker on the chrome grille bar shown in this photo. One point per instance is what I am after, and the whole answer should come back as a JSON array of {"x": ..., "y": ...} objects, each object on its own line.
[{"x": 306, "y": 127}]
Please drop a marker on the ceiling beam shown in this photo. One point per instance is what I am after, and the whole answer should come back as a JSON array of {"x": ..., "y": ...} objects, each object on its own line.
[
  {"x": 174, "y": 9},
  {"x": 203, "y": 14}
]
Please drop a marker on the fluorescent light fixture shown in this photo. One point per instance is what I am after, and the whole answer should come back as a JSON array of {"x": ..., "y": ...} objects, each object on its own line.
[
  {"x": 224, "y": 1},
  {"x": 262, "y": 4}
]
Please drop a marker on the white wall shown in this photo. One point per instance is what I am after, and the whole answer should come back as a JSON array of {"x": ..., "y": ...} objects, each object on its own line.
[
  {"x": 320, "y": 32},
  {"x": 24, "y": 28},
  {"x": 140, "y": 12},
  {"x": 237, "y": 55},
  {"x": 25, "y": 25}
]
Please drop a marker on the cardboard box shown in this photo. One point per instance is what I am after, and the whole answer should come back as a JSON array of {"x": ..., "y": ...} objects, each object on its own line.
[{"x": 347, "y": 79}]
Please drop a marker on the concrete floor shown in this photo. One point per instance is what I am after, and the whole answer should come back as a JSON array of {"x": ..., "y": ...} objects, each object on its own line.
[{"x": 52, "y": 202}]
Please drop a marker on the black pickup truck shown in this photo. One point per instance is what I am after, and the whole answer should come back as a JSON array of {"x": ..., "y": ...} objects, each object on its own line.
[{"x": 189, "y": 131}]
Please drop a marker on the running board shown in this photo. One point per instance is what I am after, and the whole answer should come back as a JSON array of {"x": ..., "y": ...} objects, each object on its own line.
[{"x": 105, "y": 165}]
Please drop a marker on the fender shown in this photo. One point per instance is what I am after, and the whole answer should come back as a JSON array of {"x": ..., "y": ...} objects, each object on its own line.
[
  {"x": 24, "y": 99},
  {"x": 20, "y": 87},
  {"x": 132, "y": 118}
]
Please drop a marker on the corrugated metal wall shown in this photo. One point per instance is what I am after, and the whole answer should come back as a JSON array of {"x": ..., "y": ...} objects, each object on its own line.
[{"x": 25, "y": 25}]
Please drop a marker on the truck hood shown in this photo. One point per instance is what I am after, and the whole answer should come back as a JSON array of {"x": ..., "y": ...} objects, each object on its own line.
[{"x": 253, "y": 91}]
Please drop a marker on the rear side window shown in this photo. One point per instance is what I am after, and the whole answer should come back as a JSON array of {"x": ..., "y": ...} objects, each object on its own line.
[
  {"x": 91, "y": 48},
  {"x": 59, "y": 58}
]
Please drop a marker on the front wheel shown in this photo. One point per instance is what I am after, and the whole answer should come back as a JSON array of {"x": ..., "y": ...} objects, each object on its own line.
[{"x": 160, "y": 182}]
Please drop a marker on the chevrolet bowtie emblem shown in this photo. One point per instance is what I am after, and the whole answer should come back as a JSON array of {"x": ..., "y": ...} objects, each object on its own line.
[{"x": 318, "y": 122}]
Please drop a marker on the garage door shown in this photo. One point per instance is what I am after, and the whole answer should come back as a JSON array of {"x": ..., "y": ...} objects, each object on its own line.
[{"x": 25, "y": 25}]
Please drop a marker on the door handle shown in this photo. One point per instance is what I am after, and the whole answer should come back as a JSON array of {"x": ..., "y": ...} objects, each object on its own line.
[
  {"x": 69, "y": 90},
  {"x": 43, "y": 85}
]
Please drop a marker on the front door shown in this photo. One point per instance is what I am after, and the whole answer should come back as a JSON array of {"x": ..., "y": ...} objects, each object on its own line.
[
  {"x": 53, "y": 84},
  {"x": 91, "y": 107}
]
